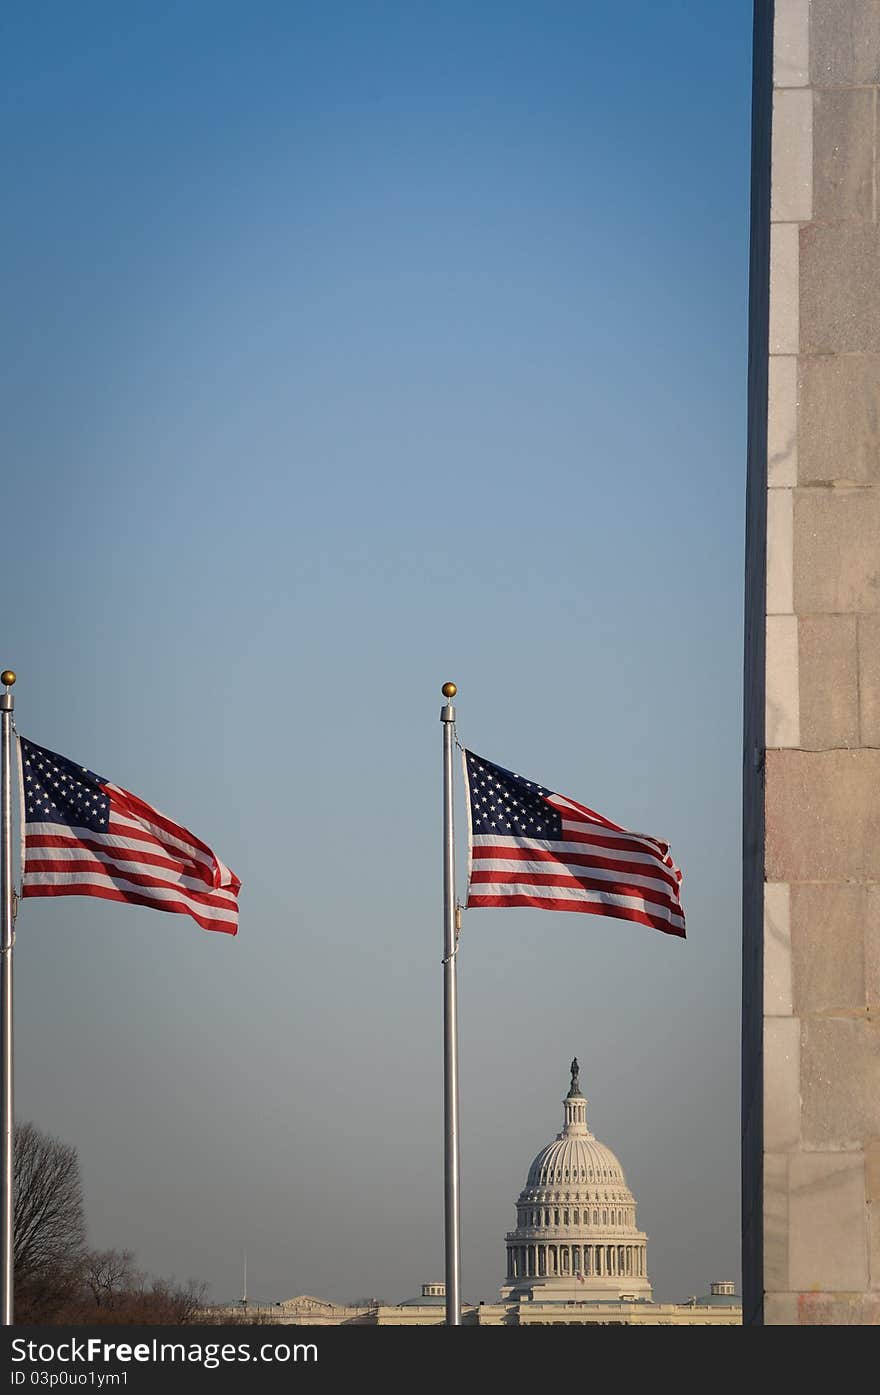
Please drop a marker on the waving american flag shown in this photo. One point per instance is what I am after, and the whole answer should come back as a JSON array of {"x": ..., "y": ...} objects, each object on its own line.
[
  {"x": 84, "y": 836},
  {"x": 531, "y": 847}
]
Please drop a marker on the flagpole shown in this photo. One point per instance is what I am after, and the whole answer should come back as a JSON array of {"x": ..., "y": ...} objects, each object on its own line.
[
  {"x": 7, "y": 705},
  {"x": 450, "y": 1026}
]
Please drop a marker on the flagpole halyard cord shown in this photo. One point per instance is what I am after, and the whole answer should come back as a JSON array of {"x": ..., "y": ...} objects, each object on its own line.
[
  {"x": 458, "y": 910},
  {"x": 7, "y": 940},
  {"x": 450, "y": 1027}
]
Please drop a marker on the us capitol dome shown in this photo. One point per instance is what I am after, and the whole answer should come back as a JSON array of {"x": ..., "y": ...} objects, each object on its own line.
[{"x": 576, "y": 1236}]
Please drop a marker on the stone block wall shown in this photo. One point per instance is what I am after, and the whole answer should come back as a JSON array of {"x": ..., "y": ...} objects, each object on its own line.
[{"x": 812, "y": 785}]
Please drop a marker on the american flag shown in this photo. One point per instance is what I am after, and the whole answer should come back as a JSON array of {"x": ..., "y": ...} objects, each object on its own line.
[
  {"x": 531, "y": 847},
  {"x": 84, "y": 836}
]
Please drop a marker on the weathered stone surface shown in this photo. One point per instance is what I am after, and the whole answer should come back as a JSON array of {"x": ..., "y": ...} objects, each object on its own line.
[
  {"x": 843, "y": 154},
  {"x": 791, "y": 43},
  {"x": 872, "y": 953},
  {"x": 776, "y": 1221},
  {"x": 828, "y": 674},
  {"x": 826, "y": 1219},
  {"x": 844, "y": 42},
  {"x": 782, "y": 421},
  {"x": 784, "y": 306},
  {"x": 839, "y": 415},
  {"x": 780, "y": 1309},
  {"x": 780, "y": 551},
  {"x": 777, "y": 950},
  {"x": 782, "y": 1123},
  {"x": 819, "y": 685},
  {"x": 822, "y": 815},
  {"x": 836, "y": 550},
  {"x": 828, "y": 948},
  {"x": 839, "y": 1081},
  {"x": 782, "y": 691},
  {"x": 839, "y": 288},
  {"x": 839, "y": 1310},
  {"x": 869, "y": 679},
  {"x": 791, "y": 166}
]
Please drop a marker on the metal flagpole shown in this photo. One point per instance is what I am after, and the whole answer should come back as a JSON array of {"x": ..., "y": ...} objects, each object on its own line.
[
  {"x": 450, "y": 1026},
  {"x": 7, "y": 704}
]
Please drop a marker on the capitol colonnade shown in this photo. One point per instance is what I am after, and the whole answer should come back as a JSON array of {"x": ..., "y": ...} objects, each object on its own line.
[{"x": 541, "y": 1260}]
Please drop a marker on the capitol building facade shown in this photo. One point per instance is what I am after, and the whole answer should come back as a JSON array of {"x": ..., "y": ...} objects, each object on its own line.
[
  {"x": 576, "y": 1255},
  {"x": 576, "y": 1235}
]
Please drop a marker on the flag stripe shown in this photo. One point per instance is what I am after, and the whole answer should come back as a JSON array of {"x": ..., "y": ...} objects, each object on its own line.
[
  {"x": 94, "y": 876},
  {"x": 122, "y": 832},
  {"x": 114, "y": 847},
  {"x": 581, "y": 812},
  {"x": 607, "y": 907},
  {"x": 227, "y": 925},
  {"x": 576, "y": 838},
  {"x": 72, "y": 860},
  {"x": 574, "y": 887},
  {"x": 142, "y": 833},
  {"x": 164, "y": 828},
  {"x": 563, "y": 894},
  {"x": 613, "y": 862},
  {"x": 584, "y": 833},
  {"x": 543, "y": 873}
]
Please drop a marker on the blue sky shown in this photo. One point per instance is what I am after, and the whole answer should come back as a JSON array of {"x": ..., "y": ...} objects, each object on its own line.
[{"x": 350, "y": 348}]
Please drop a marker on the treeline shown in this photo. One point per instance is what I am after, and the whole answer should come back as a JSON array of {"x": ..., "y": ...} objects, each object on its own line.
[{"x": 58, "y": 1279}]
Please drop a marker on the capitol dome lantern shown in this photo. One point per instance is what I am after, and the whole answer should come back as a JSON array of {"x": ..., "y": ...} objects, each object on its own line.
[{"x": 576, "y": 1237}]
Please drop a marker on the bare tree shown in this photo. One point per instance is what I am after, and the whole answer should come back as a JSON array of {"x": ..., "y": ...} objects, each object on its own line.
[
  {"x": 114, "y": 1290},
  {"x": 48, "y": 1222},
  {"x": 168, "y": 1302},
  {"x": 110, "y": 1274},
  {"x": 56, "y": 1278}
]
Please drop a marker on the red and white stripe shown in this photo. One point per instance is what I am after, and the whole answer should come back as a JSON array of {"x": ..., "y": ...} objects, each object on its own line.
[
  {"x": 144, "y": 858},
  {"x": 596, "y": 867}
]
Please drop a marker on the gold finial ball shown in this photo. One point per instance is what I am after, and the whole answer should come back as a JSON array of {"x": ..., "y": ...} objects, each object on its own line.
[
  {"x": 449, "y": 690},
  {"x": 7, "y": 677}
]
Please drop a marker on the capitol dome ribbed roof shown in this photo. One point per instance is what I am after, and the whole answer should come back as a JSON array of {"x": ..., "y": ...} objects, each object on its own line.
[{"x": 575, "y": 1159}]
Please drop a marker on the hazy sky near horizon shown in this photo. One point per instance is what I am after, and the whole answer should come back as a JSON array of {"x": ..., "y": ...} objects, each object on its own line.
[{"x": 352, "y": 347}]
